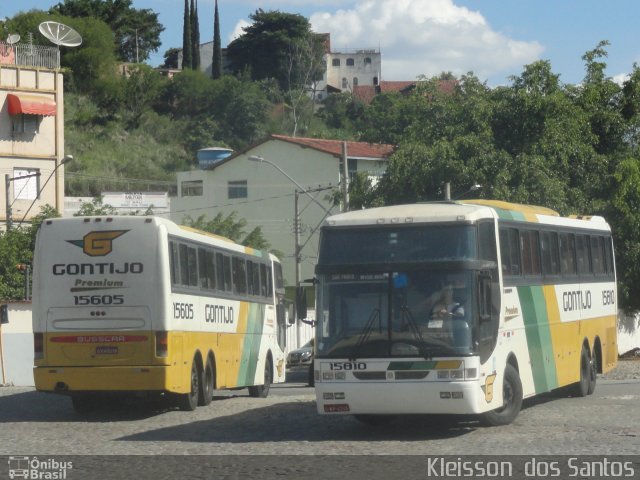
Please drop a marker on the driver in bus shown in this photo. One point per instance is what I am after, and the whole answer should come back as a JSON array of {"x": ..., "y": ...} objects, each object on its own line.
[{"x": 446, "y": 306}]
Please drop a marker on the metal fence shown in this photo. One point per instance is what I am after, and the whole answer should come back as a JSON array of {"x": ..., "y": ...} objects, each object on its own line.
[{"x": 29, "y": 55}]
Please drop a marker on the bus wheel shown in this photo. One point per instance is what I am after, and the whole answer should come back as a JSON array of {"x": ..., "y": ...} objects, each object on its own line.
[
  {"x": 262, "y": 391},
  {"x": 593, "y": 370},
  {"x": 512, "y": 400},
  {"x": 581, "y": 388},
  {"x": 189, "y": 401},
  {"x": 206, "y": 385}
]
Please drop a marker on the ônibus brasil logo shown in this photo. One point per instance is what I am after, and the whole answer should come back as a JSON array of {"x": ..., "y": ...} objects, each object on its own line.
[{"x": 98, "y": 244}]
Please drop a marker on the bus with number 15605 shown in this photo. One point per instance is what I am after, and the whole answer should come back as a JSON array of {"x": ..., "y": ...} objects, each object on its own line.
[{"x": 140, "y": 305}]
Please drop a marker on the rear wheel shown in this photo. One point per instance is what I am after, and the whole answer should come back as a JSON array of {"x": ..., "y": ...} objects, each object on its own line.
[
  {"x": 206, "y": 386},
  {"x": 511, "y": 397},
  {"x": 262, "y": 391},
  {"x": 189, "y": 401},
  {"x": 581, "y": 388}
]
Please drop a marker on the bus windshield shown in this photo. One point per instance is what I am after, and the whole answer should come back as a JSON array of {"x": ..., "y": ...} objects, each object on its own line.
[
  {"x": 421, "y": 313},
  {"x": 386, "y": 244}
]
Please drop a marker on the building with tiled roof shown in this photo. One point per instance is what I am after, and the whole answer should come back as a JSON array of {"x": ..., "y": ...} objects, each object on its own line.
[
  {"x": 366, "y": 93},
  {"x": 264, "y": 196}
]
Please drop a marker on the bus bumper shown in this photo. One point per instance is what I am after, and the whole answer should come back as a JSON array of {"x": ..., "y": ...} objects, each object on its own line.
[
  {"x": 463, "y": 397},
  {"x": 102, "y": 379}
]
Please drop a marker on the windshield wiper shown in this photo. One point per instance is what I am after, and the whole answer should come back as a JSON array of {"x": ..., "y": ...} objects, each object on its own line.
[
  {"x": 365, "y": 333},
  {"x": 408, "y": 316}
]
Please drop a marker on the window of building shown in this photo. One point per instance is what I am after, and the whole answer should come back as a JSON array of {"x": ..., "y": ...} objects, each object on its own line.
[
  {"x": 345, "y": 84},
  {"x": 355, "y": 81},
  {"x": 375, "y": 80},
  {"x": 26, "y": 123},
  {"x": 335, "y": 62},
  {"x": 26, "y": 188},
  {"x": 367, "y": 60},
  {"x": 237, "y": 189},
  {"x": 350, "y": 62},
  {"x": 191, "y": 188}
]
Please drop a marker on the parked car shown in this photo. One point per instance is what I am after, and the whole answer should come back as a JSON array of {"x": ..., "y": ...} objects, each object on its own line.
[{"x": 301, "y": 357}]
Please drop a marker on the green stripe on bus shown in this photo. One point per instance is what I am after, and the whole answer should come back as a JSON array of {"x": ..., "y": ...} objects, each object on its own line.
[
  {"x": 509, "y": 214},
  {"x": 251, "y": 345},
  {"x": 427, "y": 365},
  {"x": 538, "y": 333}
]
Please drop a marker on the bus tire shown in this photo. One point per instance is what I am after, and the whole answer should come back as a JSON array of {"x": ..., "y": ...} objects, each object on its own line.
[
  {"x": 581, "y": 388},
  {"x": 262, "y": 391},
  {"x": 206, "y": 385},
  {"x": 512, "y": 400},
  {"x": 593, "y": 373},
  {"x": 189, "y": 401}
]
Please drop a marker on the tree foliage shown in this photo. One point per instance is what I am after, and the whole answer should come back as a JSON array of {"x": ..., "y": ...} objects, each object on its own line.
[
  {"x": 137, "y": 31},
  {"x": 230, "y": 227},
  {"x": 267, "y": 48}
]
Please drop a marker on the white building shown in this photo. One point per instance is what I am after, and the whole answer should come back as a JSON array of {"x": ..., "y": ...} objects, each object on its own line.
[
  {"x": 31, "y": 132},
  {"x": 265, "y": 197}
]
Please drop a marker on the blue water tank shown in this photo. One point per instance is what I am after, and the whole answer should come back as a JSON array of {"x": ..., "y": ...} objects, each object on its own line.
[{"x": 208, "y": 157}]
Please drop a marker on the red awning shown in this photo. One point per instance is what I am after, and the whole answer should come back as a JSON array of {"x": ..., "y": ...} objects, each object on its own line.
[{"x": 30, "y": 104}]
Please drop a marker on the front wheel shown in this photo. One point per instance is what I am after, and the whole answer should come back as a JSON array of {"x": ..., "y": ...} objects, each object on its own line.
[
  {"x": 511, "y": 397},
  {"x": 262, "y": 391},
  {"x": 581, "y": 388}
]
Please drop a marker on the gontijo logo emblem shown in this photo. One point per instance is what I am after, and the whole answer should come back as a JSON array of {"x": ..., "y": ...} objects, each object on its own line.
[{"x": 98, "y": 244}]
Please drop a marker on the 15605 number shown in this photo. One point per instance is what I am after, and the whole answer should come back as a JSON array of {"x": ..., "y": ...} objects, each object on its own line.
[
  {"x": 98, "y": 299},
  {"x": 183, "y": 310}
]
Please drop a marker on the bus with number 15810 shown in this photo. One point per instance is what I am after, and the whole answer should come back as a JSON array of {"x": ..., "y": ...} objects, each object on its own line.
[{"x": 460, "y": 308}]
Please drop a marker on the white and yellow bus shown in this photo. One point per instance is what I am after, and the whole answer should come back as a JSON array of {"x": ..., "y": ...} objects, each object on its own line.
[
  {"x": 142, "y": 305},
  {"x": 460, "y": 308}
]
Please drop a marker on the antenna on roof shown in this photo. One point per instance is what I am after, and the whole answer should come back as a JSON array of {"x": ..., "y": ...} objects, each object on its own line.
[
  {"x": 13, "y": 38},
  {"x": 60, "y": 34}
]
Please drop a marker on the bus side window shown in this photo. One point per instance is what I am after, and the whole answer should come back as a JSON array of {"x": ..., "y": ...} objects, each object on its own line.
[
  {"x": 239, "y": 276},
  {"x": 227, "y": 273},
  {"x": 597, "y": 254},
  {"x": 269, "y": 282},
  {"x": 174, "y": 263},
  {"x": 567, "y": 254},
  {"x": 609, "y": 256},
  {"x": 206, "y": 269},
  {"x": 582, "y": 255},
  {"x": 510, "y": 251},
  {"x": 184, "y": 265},
  {"x": 549, "y": 253},
  {"x": 530, "y": 252},
  {"x": 263, "y": 280}
]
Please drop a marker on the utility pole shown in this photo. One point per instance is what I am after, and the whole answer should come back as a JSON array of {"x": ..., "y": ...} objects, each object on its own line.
[
  {"x": 7, "y": 182},
  {"x": 298, "y": 260}
]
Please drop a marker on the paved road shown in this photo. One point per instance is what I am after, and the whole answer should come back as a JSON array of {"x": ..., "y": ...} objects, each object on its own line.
[{"x": 286, "y": 423}]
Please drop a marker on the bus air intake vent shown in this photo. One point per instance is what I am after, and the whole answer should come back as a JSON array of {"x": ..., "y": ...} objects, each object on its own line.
[
  {"x": 370, "y": 375},
  {"x": 411, "y": 375}
]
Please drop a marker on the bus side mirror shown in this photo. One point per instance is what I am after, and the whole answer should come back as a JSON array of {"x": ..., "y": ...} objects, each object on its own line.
[
  {"x": 301, "y": 303},
  {"x": 484, "y": 297},
  {"x": 4, "y": 314}
]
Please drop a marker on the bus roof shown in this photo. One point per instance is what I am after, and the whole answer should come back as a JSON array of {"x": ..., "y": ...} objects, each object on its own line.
[{"x": 462, "y": 210}]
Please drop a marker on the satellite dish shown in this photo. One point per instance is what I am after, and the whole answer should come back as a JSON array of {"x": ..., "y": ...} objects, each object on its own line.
[
  {"x": 13, "y": 38},
  {"x": 60, "y": 34}
]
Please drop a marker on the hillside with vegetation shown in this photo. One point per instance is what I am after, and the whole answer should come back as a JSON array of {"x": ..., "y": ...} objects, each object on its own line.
[{"x": 536, "y": 140}]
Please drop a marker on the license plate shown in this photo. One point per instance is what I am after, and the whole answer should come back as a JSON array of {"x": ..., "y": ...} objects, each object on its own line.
[{"x": 106, "y": 350}]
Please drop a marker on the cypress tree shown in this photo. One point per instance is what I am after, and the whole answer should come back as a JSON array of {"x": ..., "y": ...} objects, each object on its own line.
[
  {"x": 216, "y": 66},
  {"x": 195, "y": 37},
  {"x": 186, "y": 38}
]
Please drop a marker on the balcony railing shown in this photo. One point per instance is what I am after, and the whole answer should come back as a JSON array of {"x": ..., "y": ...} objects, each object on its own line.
[{"x": 29, "y": 55}]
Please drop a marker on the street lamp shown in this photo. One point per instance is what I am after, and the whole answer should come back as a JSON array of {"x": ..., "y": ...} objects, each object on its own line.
[
  {"x": 447, "y": 190},
  {"x": 296, "y": 222}
]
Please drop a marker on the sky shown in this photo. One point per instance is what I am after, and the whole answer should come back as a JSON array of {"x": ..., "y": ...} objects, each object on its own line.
[{"x": 494, "y": 39}]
